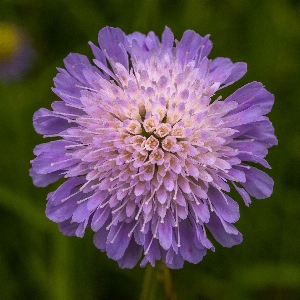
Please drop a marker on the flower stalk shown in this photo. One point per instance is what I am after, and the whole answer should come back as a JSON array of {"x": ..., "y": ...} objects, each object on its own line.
[
  {"x": 166, "y": 279},
  {"x": 160, "y": 273}
]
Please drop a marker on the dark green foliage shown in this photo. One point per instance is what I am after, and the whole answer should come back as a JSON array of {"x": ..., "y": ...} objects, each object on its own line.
[{"x": 38, "y": 262}]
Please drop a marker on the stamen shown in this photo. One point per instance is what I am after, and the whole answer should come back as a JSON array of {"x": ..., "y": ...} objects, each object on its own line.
[
  {"x": 92, "y": 132},
  {"x": 86, "y": 184},
  {"x": 140, "y": 210},
  {"x": 120, "y": 207},
  {"x": 118, "y": 156},
  {"x": 65, "y": 199},
  {"x": 64, "y": 114},
  {"x": 93, "y": 178},
  {"x": 147, "y": 202},
  {"x": 98, "y": 150},
  {"x": 176, "y": 216},
  {"x": 243, "y": 166},
  {"x": 245, "y": 140},
  {"x": 144, "y": 224},
  {"x": 178, "y": 237},
  {"x": 61, "y": 135},
  {"x": 197, "y": 218},
  {"x": 148, "y": 248},
  {"x": 120, "y": 174},
  {"x": 156, "y": 228},
  {"x": 106, "y": 128},
  {"x": 71, "y": 97},
  {"x": 116, "y": 234},
  {"x": 86, "y": 88},
  {"x": 210, "y": 205},
  {"x": 116, "y": 187},
  {"x": 131, "y": 160},
  {"x": 224, "y": 198},
  {"x": 115, "y": 140},
  {"x": 79, "y": 121},
  {"x": 62, "y": 161},
  {"x": 104, "y": 204},
  {"x": 104, "y": 164},
  {"x": 196, "y": 200},
  {"x": 129, "y": 188},
  {"x": 137, "y": 174},
  {"x": 204, "y": 231},
  {"x": 97, "y": 120},
  {"x": 113, "y": 221},
  {"x": 100, "y": 216},
  {"x": 78, "y": 202},
  {"x": 96, "y": 185},
  {"x": 131, "y": 231},
  {"x": 72, "y": 105},
  {"x": 216, "y": 186},
  {"x": 200, "y": 54},
  {"x": 176, "y": 190},
  {"x": 82, "y": 172},
  {"x": 77, "y": 145}
]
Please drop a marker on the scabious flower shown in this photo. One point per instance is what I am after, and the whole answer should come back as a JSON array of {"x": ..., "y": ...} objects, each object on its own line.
[
  {"x": 147, "y": 154},
  {"x": 16, "y": 53}
]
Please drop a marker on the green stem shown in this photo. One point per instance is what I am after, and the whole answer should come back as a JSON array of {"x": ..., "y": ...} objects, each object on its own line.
[
  {"x": 149, "y": 284},
  {"x": 167, "y": 282},
  {"x": 152, "y": 276}
]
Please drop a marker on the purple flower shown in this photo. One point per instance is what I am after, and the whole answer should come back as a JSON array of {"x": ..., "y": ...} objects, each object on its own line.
[
  {"x": 16, "y": 53},
  {"x": 147, "y": 154}
]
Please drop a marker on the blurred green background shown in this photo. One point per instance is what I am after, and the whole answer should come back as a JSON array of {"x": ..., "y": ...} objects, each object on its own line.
[{"x": 38, "y": 262}]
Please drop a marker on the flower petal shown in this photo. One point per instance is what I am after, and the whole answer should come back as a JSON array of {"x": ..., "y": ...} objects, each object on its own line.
[
  {"x": 68, "y": 227},
  {"x": 188, "y": 250},
  {"x": 258, "y": 183},
  {"x": 118, "y": 240},
  {"x": 61, "y": 212},
  {"x": 237, "y": 72},
  {"x": 100, "y": 237},
  {"x": 167, "y": 39},
  {"x": 75, "y": 64},
  {"x": 42, "y": 180},
  {"x": 225, "y": 239},
  {"x": 110, "y": 40},
  {"x": 188, "y": 46},
  {"x": 131, "y": 256},
  {"x": 45, "y": 122},
  {"x": 226, "y": 207},
  {"x": 165, "y": 232},
  {"x": 252, "y": 94}
]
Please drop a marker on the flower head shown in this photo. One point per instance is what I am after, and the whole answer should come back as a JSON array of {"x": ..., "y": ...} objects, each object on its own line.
[
  {"x": 16, "y": 54},
  {"x": 148, "y": 155}
]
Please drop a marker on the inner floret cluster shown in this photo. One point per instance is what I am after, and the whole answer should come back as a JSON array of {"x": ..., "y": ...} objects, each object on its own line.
[{"x": 148, "y": 155}]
